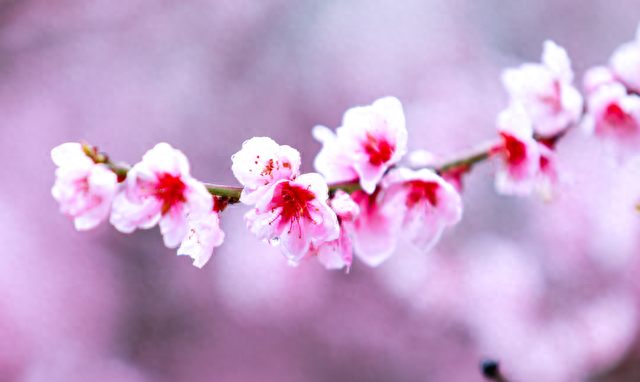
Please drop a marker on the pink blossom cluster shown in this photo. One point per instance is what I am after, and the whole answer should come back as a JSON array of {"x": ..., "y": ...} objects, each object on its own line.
[
  {"x": 361, "y": 200},
  {"x": 157, "y": 191},
  {"x": 613, "y": 101},
  {"x": 305, "y": 219},
  {"x": 544, "y": 103},
  {"x": 392, "y": 200},
  {"x": 300, "y": 213}
]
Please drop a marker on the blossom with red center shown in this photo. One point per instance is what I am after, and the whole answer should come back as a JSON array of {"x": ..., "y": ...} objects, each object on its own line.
[
  {"x": 546, "y": 90},
  {"x": 428, "y": 203},
  {"x": 615, "y": 112},
  {"x": 625, "y": 63},
  {"x": 338, "y": 253},
  {"x": 204, "y": 235},
  {"x": 84, "y": 189},
  {"x": 614, "y": 115},
  {"x": 418, "y": 205},
  {"x": 370, "y": 140},
  {"x": 294, "y": 214},
  {"x": 517, "y": 154},
  {"x": 159, "y": 190},
  {"x": 261, "y": 163}
]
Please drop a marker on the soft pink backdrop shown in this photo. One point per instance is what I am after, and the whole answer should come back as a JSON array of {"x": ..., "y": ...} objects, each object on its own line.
[{"x": 549, "y": 289}]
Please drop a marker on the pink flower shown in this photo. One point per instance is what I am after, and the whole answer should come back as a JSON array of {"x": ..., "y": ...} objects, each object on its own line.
[
  {"x": 546, "y": 90},
  {"x": 518, "y": 153},
  {"x": 428, "y": 203},
  {"x": 159, "y": 190},
  {"x": 338, "y": 253},
  {"x": 615, "y": 115},
  {"x": 261, "y": 163},
  {"x": 371, "y": 139},
  {"x": 294, "y": 214},
  {"x": 204, "y": 234},
  {"x": 418, "y": 204},
  {"x": 375, "y": 230},
  {"x": 83, "y": 188},
  {"x": 625, "y": 63}
]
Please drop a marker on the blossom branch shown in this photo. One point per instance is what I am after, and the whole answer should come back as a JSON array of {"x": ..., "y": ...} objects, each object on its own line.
[
  {"x": 482, "y": 152},
  {"x": 466, "y": 158},
  {"x": 231, "y": 192},
  {"x": 463, "y": 159},
  {"x": 361, "y": 196},
  {"x": 119, "y": 168}
]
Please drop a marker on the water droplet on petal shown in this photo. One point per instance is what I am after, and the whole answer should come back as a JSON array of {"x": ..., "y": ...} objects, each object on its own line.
[{"x": 274, "y": 241}]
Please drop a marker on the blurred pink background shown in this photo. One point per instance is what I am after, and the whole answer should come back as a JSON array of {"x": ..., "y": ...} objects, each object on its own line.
[{"x": 552, "y": 290}]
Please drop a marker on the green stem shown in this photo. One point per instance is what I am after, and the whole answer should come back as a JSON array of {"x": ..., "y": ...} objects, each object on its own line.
[
  {"x": 466, "y": 158},
  {"x": 231, "y": 192}
]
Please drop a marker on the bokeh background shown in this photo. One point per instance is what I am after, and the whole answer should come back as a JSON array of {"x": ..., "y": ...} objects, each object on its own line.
[{"x": 552, "y": 290}]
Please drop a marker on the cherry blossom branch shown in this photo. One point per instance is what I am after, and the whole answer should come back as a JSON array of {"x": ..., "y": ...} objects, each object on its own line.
[
  {"x": 119, "y": 168},
  {"x": 463, "y": 159},
  {"x": 231, "y": 192},
  {"x": 319, "y": 214},
  {"x": 481, "y": 152},
  {"x": 466, "y": 158}
]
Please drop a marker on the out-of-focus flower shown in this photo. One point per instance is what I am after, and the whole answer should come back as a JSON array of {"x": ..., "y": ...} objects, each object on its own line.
[
  {"x": 294, "y": 214},
  {"x": 613, "y": 114},
  {"x": 546, "y": 90},
  {"x": 371, "y": 139},
  {"x": 159, "y": 190},
  {"x": 625, "y": 63},
  {"x": 596, "y": 77},
  {"x": 261, "y": 163},
  {"x": 429, "y": 204},
  {"x": 84, "y": 189},
  {"x": 518, "y": 153},
  {"x": 204, "y": 234},
  {"x": 338, "y": 253}
]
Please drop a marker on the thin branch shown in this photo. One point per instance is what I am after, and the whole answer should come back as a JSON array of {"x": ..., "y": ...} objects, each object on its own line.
[
  {"x": 232, "y": 194},
  {"x": 466, "y": 158}
]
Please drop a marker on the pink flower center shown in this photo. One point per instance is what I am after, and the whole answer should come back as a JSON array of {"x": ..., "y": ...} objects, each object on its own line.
[
  {"x": 88, "y": 200},
  {"x": 378, "y": 149},
  {"x": 421, "y": 190},
  {"x": 268, "y": 169},
  {"x": 514, "y": 150},
  {"x": 293, "y": 202},
  {"x": 82, "y": 185},
  {"x": 169, "y": 190},
  {"x": 616, "y": 119}
]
